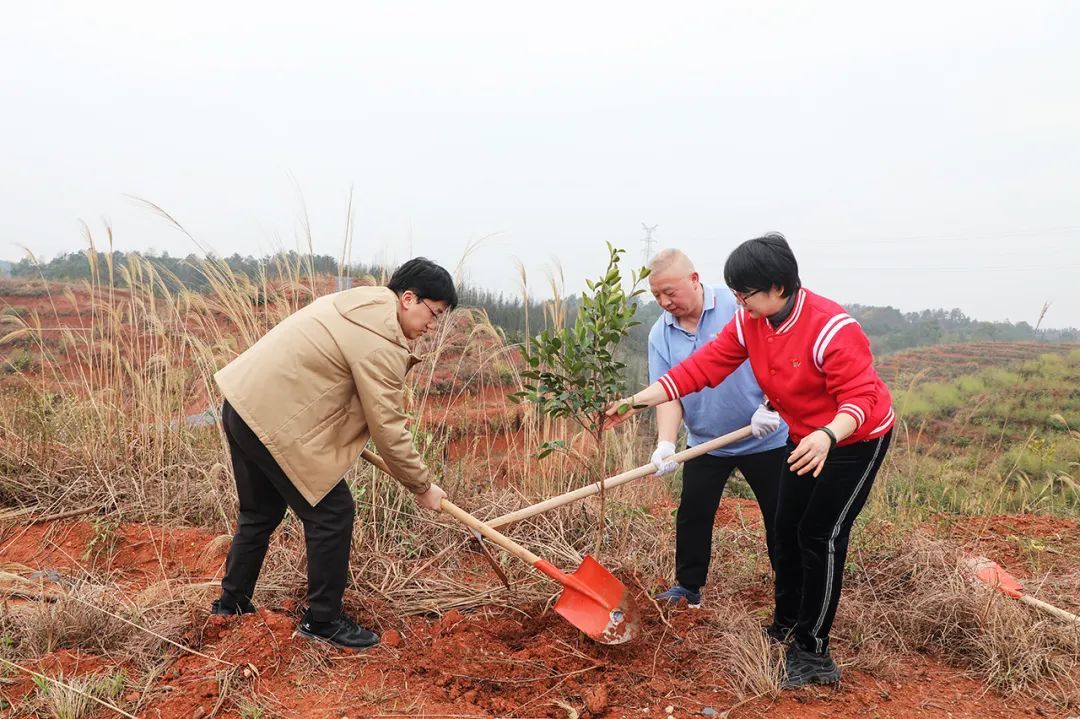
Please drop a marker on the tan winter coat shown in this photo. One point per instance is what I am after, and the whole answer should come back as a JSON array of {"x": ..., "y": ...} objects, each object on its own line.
[{"x": 323, "y": 381}]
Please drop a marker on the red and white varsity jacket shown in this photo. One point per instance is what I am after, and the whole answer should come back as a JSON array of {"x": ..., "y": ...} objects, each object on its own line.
[{"x": 813, "y": 366}]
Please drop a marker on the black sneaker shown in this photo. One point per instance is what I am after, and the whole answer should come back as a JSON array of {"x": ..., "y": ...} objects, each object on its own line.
[
  {"x": 225, "y": 608},
  {"x": 342, "y": 632},
  {"x": 803, "y": 667},
  {"x": 779, "y": 634}
]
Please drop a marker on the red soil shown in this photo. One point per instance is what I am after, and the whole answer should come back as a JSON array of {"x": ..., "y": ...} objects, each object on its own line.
[
  {"x": 137, "y": 554},
  {"x": 497, "y": 662},
  {"x": 1025, "y": 545}
]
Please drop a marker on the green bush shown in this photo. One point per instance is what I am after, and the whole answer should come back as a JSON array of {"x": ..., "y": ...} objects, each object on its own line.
[
  {"x": 1052, "y": 365},
  {"x": 942, "y": 396},
  {"x": 998, "y": 377},
  {"x": 910, "y": 406},
  {"x": 21, "y": 360},
  {"x": 971, "y": 384},
  {"x": 1038, "y": 458}
]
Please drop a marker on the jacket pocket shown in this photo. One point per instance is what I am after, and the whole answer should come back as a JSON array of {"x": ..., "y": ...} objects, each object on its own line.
[{"x": 322, "y": 426}]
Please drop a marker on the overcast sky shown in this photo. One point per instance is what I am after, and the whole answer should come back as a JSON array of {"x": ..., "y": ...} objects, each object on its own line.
[{"x": 915, "y": 154}]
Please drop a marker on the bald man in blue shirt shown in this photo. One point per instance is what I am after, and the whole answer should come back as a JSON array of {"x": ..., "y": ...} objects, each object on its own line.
[{"x": 693, "y": 314}]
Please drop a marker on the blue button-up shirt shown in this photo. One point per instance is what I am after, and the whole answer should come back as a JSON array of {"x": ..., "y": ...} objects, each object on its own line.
[{"x": 721, "y": 409}]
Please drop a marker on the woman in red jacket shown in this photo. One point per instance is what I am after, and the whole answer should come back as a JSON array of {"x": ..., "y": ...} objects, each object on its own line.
[{"x": 813, "y": 363}]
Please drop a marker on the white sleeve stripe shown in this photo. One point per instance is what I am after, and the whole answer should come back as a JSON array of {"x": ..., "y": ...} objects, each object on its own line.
[
  {"x": 825, "y": 330},
  {"x": 738, "y": 328},
  {"x": 853, "y": 406},
  {"x": 887, "y": 421},
  {"x": 669, "y": 387},
  {"x": 819, "y": 355},
  {"x": 854, "y": 411}
]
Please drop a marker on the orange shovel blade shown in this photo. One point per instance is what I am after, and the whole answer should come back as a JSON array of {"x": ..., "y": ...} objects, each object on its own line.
[
  {"x": 990, "y": 572},
  {"x": 595, "y": 602}
]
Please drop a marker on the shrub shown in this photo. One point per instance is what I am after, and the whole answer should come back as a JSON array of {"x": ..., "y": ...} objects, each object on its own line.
[
  {"x": 997, "y": 377},
  {"x": 20, "y": 361},
  {"x": 942, "y": 396},
  {"x": 73, "y": 701},
  {"x": 971, "y": 384},
  {"x": 911, "y": 406}
]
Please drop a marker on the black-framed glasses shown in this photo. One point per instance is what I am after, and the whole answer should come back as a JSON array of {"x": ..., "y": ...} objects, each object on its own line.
[
  {"x": 434, "y": 314},
  {"x": 744, "y": 296}
]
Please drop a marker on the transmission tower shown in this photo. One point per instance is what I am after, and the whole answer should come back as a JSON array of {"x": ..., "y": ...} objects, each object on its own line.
[{"x": 647, "y": 243}]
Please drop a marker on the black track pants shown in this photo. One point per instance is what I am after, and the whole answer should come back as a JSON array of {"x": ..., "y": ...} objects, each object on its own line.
[
  {"x": 264, "y": 492},
  {"x": 703, "y": 480},
  {"x": 813, "y": 523}
]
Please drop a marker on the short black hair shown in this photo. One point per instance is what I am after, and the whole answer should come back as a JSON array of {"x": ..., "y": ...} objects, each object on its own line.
[
  {"x": 425, "y": 278},
  {"x": 761, "y": 264}
]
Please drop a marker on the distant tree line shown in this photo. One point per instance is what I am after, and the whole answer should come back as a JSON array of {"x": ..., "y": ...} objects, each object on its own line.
[
  {"x": 184, "y": 271},
  {"x": 891, "y": 330},
  {"x": 888, "y": 328}
]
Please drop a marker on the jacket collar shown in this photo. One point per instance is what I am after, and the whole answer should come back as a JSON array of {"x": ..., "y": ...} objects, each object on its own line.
[
  {"x": 374, "y": 309},
  {"x": 788, "y": 324}
]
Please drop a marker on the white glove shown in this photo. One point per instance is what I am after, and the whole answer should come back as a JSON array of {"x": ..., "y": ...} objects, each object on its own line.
[
  {"x": 764, "y": 422},
  {"x": 431, "y": 499},
  {"x": 660, "y": 458}
]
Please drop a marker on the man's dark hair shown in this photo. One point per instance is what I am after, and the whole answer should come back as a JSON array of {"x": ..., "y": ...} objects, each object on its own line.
[
  {"x": 762, "y": 263},
  {"x": 428, "y": 280}
]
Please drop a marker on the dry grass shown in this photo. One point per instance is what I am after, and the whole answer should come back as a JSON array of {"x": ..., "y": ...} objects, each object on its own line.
[
  {"x": 107, "y": 428},
  {"x": 914, "y": 594},
  {"x": 73, "y": 698},
  {"x": 70, "y": 622},
  {"x": 751, "y": 664}
]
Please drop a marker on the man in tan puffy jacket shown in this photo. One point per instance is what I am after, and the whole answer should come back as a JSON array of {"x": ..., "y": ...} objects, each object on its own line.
[{"x": 300, "y": 405}]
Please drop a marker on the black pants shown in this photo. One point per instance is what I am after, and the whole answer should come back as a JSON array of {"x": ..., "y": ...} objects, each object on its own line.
[
  {"x": 264, "y": 492},
  {"x": 703, "y": 480},
  {"x": 813, "y": 523}
]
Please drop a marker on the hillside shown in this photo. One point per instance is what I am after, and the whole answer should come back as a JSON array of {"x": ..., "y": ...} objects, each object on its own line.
[
  {"x": 116, "y": 513},
  {"x": 948, "y": 361},
  {"x": 983, "y": 420}
]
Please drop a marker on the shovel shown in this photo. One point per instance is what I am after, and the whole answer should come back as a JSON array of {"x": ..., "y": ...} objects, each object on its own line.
[
  {"x": 478, "y": 539},
  {"x": 593, "y": 599},
  {"x": 643, "y": 471},
  {"x": 990, "y": 572}
]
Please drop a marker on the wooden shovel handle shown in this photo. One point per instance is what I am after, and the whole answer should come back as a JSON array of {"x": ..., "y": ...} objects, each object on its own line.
[
  {"x": 1050, "y": 609},
  {"x": 376, "y": 460},
  {"x": 494, "y": 535},
  {"x": 643, "y": 471},
  {"x": 465, "y": 518}
]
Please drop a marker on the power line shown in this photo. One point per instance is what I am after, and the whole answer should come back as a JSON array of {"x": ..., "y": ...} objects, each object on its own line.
[
  {"x": 923, "y": 268},
  {"x": 1049, "y": 233}
]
